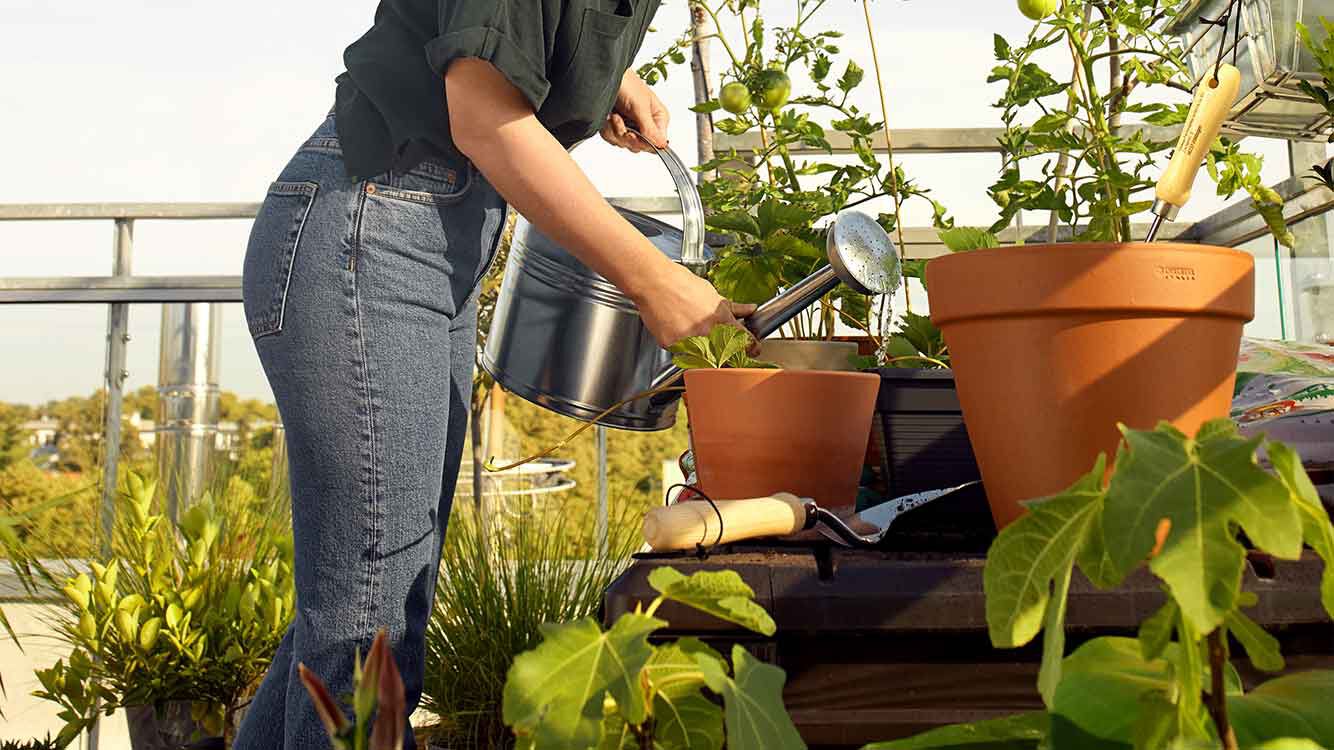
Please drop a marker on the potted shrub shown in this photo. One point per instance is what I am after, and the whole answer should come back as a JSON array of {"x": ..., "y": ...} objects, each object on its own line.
[
  {"x": 756, "y": 429},
  {"x": 178, "y": 623},
  {"x": 1052, "y": 346}
]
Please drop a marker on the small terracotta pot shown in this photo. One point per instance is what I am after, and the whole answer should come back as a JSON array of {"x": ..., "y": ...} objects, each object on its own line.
[
  {"x": 757, "y": 432},
  {"x": 1053, "y": 345}
]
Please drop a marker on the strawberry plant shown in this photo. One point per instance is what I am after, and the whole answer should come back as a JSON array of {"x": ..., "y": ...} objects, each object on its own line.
[{"x": 725, "y": 346}]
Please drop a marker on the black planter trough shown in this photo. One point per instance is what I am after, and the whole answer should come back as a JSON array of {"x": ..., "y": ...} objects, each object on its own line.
[{"x": 918, "y": 435}]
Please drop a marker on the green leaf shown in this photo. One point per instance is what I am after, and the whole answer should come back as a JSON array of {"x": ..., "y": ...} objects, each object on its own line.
[
  {"x": 783, "y": 243},
  {"x": 1103, "y": 692},
  {"x": 962, "y": 239},
  {"x": 705, "y": 108},
  {"x": 1317, "y": 531},
  {"x": 1296, "y": 705},
  {"x": 733, "y": 221},
  {"x": 1018, "y": 732},
  {"x": 1262, "y": 648},
  {"x": 1156, "y": 631},
  {"x": 720, "y": 593},
  {"x": 1202, "y": 487},
  {"x": 683, "y": 717},
  {"x": 555, "y": 692},
  {"x": 727, "y": 342},
  {"x": 1053, "y": 637},
  {"x": 1001, "y": 47},
  {"x": 774, "y": 215},
  {"x": 1157, "y": 724},
  {"x": 754, "y": 714},
  {"x": 852, "y": 76},
  {"x": 1033, "y": 552},
  {"x": 1288, "y": 743}
]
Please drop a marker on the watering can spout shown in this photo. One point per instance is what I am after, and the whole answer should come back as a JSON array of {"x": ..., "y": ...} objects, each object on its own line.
[{"x": 861, "y": 255}]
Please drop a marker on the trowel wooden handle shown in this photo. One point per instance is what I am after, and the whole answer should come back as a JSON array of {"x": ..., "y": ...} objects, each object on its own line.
[
  {"x": 1214, "y": 97},
  {"x": 684, "y": 525}
]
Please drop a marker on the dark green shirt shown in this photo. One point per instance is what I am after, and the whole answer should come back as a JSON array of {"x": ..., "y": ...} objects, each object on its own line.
[{"x": 566, "y": 56}]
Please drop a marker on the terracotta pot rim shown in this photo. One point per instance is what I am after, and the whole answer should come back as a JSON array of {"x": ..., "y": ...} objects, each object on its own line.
[
  {"x": 772, "y": 372},
  {"x": 1089, "y": 247},
  {"x": 1096, "y": 280}
]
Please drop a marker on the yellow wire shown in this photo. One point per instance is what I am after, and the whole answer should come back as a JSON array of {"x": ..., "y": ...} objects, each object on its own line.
[{"x": 490, "y": 466}]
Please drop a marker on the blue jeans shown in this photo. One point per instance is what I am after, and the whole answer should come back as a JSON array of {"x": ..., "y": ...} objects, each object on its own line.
[{"x": 360, "y": 297}]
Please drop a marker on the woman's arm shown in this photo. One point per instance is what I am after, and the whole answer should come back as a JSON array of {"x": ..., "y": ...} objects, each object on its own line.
[{"x": 494, "y": 126}]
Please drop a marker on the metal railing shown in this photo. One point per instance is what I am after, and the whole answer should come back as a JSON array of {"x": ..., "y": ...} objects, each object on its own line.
[{"x": 1230, "y": 227}]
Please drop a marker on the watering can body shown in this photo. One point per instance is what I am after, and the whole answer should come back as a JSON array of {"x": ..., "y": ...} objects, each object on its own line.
[
  {"x": 568, "y": 340},
  {"x": 565, "y": 338}
]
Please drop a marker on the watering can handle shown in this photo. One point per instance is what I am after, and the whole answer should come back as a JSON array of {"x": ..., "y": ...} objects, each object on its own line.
[{"x": 692, "y": 208}]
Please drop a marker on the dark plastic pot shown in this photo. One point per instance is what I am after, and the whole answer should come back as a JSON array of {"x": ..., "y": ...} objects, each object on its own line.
[
  {"x": 918, "y": 432},
  {"x": 168, "y": 727}
]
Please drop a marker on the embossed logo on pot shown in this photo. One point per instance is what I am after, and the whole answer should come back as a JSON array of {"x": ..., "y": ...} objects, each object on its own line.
[{"x": 1175, "y": 273}]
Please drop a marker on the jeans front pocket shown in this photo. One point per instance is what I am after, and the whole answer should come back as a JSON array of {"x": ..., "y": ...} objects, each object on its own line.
[{"x": 271, "y": 253}]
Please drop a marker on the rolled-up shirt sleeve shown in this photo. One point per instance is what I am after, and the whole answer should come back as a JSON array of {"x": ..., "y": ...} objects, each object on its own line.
[{"x": 506, "y": 33}]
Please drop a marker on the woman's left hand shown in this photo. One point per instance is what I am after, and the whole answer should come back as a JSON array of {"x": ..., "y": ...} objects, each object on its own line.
[{"x": 638, "y": 107}]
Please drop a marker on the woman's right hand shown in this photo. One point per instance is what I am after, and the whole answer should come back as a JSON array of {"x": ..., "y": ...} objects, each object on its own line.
[{"x": 679, "y": 304}]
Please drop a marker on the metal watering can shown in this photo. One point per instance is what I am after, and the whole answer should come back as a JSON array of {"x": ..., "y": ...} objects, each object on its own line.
[{"x": 564, "y": 338}]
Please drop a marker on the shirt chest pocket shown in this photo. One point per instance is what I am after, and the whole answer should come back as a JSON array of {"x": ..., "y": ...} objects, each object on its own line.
[{"x": 590, "y": 62}]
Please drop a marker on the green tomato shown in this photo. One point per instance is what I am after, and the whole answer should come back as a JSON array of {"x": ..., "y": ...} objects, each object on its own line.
[
  {"x": 735, "y": 97},
  {"x": 773, "y": 88},
  {"x": 1037, "y": 9}
]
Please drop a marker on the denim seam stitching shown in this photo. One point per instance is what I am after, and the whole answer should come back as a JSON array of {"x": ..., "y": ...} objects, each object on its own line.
[
  {"x": 373, "y": 530},
  {"x": 424, "y": 197},
  {"x": 296, "y": 247},
  {"x": 490, "y": 263}
]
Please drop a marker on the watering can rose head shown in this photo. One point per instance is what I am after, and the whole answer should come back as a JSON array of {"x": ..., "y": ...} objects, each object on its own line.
[{"x": 725, "y": 347}]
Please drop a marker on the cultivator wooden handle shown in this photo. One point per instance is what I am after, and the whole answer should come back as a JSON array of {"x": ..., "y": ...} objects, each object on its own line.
[
  {"x": 684, "y": 525},
  {"x": 1213, "y": 101}
]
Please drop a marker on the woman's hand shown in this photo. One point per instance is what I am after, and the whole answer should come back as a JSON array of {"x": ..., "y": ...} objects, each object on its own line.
[
  {"x": 679, "y": 304},
  {"x": 639, "y": 108}
]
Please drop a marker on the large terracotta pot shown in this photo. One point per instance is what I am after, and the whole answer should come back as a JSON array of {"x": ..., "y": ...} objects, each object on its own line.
[
  {"x": 757, "y": 432},
  {"x": 1053, "y": 345}
]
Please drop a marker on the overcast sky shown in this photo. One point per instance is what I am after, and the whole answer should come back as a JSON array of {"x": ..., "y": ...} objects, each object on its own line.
[{"x": 150, "y": 100}]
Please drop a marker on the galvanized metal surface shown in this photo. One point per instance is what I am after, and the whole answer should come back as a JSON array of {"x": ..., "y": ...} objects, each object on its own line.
[
  {"x": 114, "y": 289},
  {"x": 118, "y": 338},
  {"x": 1271, "y": 58},
  {"x": 187, "y": 412}
]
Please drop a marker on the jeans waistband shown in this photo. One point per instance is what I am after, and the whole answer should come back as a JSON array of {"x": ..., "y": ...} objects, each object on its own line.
[{"x": 325, "y": 139}]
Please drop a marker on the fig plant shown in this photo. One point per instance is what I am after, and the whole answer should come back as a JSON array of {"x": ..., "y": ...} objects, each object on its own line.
[
  {"x": 1177, "y": 505},
  {"x": 585, "y": 687},
  {"x": 189, "y": 611}
]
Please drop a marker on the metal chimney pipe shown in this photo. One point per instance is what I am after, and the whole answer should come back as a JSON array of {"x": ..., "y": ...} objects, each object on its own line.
[{"x": 187, "y": 411}]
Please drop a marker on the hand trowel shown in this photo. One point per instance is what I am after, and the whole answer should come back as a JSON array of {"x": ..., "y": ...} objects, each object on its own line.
[{"x": 1214, "y": 98}]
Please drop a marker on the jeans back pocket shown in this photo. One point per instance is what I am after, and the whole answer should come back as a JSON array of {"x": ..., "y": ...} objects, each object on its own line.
[{"x": 271, "y": 253}]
